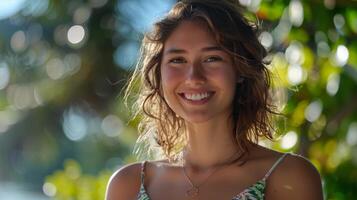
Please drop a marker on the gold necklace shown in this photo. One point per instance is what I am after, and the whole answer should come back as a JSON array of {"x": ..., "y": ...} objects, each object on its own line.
[{"x": 194, "y": 191}]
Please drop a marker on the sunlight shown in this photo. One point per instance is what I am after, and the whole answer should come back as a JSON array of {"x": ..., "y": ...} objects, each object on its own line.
[
  {"x": 10, "y": 7},
  {"x": 289, "y": 140}
]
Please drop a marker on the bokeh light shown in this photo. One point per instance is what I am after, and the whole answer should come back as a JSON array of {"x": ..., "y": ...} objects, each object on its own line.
[
  {"x": 289, "y": 140},
  {"x": 245, "y": 2},
  {"x": 72, "y": 62},
  {"x": 295, "y": 74},
  {"x": 313, "y": 111},
  {"x": 252, "y": 5},
  {"x": 74, "y": 125},
  {"x": 266, "y": 39},
  {"x": 341, "y": 55},
  {"x": 323, "y": 49},
  {"x": 294, "y": 54},
  {"x": 339, "y": 21},
  {"x": 10, "y": 7},
  {"x": 18, "y": 41},
  {"x": 76, "y": 34},
  {"x": 55, "y": 68},
  {"x": 351, "y": 137},
  {"x": 296, "y": 13},
  {"x": 23, "y": 97},
  {"x": 333, "y": 84},
  {"x": 4, "y": 75},
  {"x": 112, "y": 125},
  {"x": 8, "y": 117},
  {"x": 49, "y": 189}
]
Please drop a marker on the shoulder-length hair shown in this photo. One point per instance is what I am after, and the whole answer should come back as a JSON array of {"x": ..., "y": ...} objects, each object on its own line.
[{"x": 251, "y": 106}]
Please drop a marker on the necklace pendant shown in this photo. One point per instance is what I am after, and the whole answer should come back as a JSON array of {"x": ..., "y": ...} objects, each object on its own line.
[{"x": 193, "y": 192}]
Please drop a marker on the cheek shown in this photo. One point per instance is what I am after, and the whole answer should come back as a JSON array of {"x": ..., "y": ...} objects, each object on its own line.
[
  {"x": 170, "y": 79},
  {"x": 225, "y": 76}
]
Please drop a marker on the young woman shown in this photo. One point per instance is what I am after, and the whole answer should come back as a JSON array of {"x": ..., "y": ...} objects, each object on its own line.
[{"x": 205, "y": 100}]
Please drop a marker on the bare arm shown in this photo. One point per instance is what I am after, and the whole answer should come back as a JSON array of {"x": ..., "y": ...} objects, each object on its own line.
[
  {"x": 295, "y": 179},
  {"x": 124, "y": 184}
]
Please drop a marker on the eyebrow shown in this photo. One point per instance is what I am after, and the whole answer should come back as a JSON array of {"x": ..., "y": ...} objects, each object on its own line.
[{"x": 179, "y": 51}]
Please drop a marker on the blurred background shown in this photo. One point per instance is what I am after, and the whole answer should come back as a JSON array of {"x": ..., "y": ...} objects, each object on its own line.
[{"x": 63, "y": 64}]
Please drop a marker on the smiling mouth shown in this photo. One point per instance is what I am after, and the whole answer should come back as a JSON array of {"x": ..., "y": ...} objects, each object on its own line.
[{"x": 202, "y": 96}]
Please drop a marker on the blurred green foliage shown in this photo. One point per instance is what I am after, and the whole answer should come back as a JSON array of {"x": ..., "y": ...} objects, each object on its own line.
[
  {"x": 72, "y": 184},
  {"x": 63, "y": 65}
]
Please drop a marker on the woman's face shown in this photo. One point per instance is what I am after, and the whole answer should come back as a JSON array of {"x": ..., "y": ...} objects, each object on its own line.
[{"x": 198, "y": 77}]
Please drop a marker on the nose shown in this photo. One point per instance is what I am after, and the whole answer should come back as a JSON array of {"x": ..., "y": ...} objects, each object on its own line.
[{"x": 196, "y": 74}]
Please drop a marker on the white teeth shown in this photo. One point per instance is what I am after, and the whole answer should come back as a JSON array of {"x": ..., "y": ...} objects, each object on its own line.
[{"x": 197, "y": 97}]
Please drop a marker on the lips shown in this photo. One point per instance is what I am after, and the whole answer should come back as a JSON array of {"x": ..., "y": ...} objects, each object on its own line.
[{"x": 197, "y": 97}]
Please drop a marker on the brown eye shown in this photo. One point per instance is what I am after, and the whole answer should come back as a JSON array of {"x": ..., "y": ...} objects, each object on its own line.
[
  {"x": 177, "y": 60},
  {"x": 213, "y": 59}
]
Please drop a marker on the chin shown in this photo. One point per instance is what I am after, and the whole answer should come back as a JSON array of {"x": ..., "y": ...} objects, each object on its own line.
[{"x": 197, "y": 118}]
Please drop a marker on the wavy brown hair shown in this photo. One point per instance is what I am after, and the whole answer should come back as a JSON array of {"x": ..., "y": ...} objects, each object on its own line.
[{"x": 252, "y": 109}]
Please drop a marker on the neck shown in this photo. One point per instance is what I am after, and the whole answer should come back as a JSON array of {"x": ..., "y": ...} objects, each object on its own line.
[{"x": 210, "y": 145}]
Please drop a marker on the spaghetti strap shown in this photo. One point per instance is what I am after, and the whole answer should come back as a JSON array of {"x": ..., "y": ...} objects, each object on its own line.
[
  {"x": 274, "y": 166},
  {"x": 142, "y": 173},
  {"x": 142, "y": 194}
]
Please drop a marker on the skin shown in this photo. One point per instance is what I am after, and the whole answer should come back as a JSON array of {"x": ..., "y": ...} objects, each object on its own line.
[{"x": 192, "y": 63}]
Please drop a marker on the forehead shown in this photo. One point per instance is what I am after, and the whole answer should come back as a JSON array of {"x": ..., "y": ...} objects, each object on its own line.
[{"x": 191, "y": 35}]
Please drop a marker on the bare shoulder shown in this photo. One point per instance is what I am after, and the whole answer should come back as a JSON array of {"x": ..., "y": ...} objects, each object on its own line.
[
  {"x": 294, "y": 178},
  {"x": 124, "y": 184}
]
